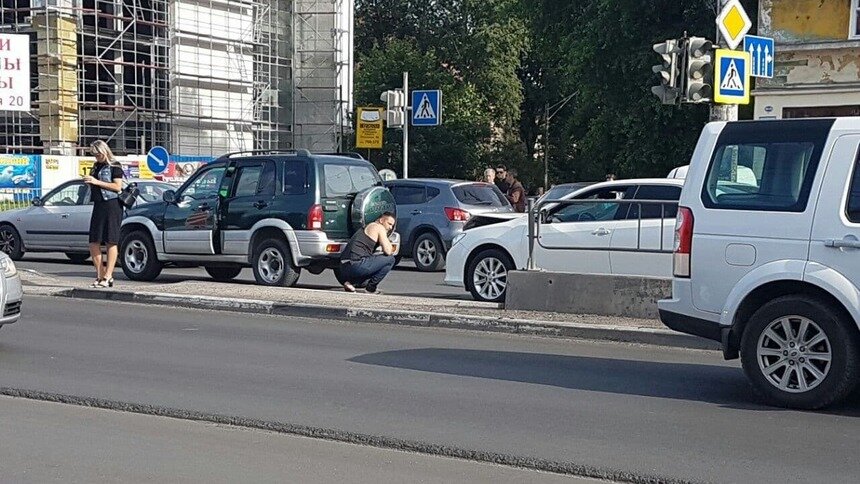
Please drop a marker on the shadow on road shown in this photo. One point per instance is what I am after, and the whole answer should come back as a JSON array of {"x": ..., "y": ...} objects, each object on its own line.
[{"x": 714, "y": 384}]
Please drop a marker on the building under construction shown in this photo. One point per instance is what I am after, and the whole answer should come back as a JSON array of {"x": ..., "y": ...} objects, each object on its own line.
[{"x": 200, "y": 77}]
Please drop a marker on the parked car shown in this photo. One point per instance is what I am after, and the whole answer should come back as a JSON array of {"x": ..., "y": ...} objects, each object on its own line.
[
  {"x": 767, "y": 258},
  {"x": 278, "y": 212},
  {"x": 431, "y": 212},
  {"x": 562, "y": 190},
  {"x": 59, "y": 221},
  {"x": 11, "y": 291},
  {"x": 593, "y": 238}
]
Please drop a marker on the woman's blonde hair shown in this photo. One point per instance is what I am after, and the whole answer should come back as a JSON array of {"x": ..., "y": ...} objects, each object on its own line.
[{"x": 99, "y": 147}]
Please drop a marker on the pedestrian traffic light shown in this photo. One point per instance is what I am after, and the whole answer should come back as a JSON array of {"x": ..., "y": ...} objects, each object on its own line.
[
  {"x": 395, "y": 108},
  {"x": 699, "y": 70},
  {"x": 668, "y": 89}
]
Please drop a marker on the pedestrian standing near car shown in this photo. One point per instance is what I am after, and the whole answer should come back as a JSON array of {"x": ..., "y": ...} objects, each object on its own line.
[
  {"x": 489, "y": 176},
  {"x": 105, "y": 181},
  {"x": 358, "y": 263},
  {"x": 516, "y": 193},
  {"x": 501, "y": 178}
]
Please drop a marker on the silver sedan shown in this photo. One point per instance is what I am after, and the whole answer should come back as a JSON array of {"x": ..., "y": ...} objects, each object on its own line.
[{"x": 60, "y": 221}]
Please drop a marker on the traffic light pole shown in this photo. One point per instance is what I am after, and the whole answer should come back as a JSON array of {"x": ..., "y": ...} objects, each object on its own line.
[
  {"x": 406, "y": 120},
  {"x": 722, "y": 112}
]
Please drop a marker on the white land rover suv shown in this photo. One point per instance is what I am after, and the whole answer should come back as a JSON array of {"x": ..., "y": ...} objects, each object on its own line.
[{"x": 767, "y": 254}]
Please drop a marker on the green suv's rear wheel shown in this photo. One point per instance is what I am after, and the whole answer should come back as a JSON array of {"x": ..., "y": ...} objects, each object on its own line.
[{"x": 273, "y": 265}]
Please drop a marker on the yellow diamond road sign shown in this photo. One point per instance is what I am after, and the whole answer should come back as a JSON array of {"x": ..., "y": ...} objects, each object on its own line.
[{"x": 734, "y": 23}]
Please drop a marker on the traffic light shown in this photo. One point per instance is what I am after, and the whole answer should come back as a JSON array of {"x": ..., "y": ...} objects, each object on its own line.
[
  {"x": 395, "y": 108},
  {"x": 668, "y": 89},
  {"x": 698, "y": 70}
]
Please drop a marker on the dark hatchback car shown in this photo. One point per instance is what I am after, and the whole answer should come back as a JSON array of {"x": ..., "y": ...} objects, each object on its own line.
[{"x": 431, "y": 212}]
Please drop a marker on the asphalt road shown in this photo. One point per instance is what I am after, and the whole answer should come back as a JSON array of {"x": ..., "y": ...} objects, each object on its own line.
[
  {"x": 645, "y": 411},
  {"x": 97, "y": 445},
  {"x": 404, "y": 280}
]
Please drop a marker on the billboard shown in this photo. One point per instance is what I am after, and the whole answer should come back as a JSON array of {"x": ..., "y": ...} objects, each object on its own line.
[
  {"x": 20, "y": 172},
  {"x": 14, "y": 72}
]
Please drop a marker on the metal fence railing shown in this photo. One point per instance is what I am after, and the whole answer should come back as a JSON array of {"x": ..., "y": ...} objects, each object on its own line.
[
  {"x": 14, "y": 198},
  {"x": 536, "y": 219}
]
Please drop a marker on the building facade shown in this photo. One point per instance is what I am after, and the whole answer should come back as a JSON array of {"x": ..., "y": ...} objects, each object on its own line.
[
  {"x": 200, "y": 77},
  {"x": 817, "y": 64}
]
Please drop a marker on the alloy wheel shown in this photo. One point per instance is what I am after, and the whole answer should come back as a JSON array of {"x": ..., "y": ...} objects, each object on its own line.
[
  {"x": 136, "y": 256},
  {"x": 427, "y": 252},
  {"x": 7, "y": 241},
  {"x": 794, "y": 354},
  {"x": 271, "y": 265},
  {"x": 490, "y": 278}
]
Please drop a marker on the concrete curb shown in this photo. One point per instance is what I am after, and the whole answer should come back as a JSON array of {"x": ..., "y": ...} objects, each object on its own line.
[{"x": 624, "y": 334}]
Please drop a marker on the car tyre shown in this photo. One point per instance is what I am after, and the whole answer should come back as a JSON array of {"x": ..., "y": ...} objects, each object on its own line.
[
  {"x": 428, "y": 253},
  {"x": 821, "y": 349},
  {"x": 138, "y": 258},
  {"x": 223, "y": 274},
  {"x": 487, "y": 275},
  {"x": 10, "y": 242},
  {"x": 77, "y": 258},
  {"x": 273, "y": 264}
]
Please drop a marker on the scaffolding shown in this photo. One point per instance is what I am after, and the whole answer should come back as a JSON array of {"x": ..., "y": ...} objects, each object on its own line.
[
  {"x": 320, "y": 61},
  {"x": 200, "y": 77}
]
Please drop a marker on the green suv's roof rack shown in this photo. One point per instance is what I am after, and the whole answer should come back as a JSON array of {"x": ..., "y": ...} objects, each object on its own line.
[{"x": 298, "y": 152}]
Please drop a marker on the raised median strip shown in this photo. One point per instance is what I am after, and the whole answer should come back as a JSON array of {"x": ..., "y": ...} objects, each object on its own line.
[{"x": 562, "y": 329}]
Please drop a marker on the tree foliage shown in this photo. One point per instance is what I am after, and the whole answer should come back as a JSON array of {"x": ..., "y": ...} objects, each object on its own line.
[{"x": 500, "y": 63}]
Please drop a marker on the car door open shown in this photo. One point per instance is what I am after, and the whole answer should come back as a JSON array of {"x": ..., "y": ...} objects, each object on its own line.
[{"x": 190, "y": 222}]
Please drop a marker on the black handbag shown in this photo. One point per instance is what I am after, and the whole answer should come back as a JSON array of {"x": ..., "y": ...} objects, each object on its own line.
[{"x": 129, "y": 195}]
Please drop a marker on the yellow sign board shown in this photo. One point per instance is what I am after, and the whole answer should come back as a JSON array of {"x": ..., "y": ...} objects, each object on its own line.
[
  {"x": 732, "y": 77},
  {"x": 85, "y": 166},
  {"x": 734, "y": 23},
  {"x": 368, "y": 128}
]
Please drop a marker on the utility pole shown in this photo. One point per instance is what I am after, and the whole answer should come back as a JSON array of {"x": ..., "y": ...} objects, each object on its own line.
[
  {"x": 547, "y": 116},
  {"x": 722, "y": 112},
  {"x": 406, "y": 120}
]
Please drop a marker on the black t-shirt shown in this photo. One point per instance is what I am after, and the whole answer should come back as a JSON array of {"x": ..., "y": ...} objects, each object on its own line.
[
  {"x": 503, "y": 185},
  {"x": 96, "y": 193}
]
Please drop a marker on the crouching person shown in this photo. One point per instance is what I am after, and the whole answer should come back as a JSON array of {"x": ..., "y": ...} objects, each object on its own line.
[{"x": 358, "y": 265}]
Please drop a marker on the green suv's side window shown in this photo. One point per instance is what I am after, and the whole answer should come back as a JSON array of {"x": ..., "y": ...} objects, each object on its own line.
[
  {"x": 205, "y": 185},
  {"x": 295, "y": 177}
]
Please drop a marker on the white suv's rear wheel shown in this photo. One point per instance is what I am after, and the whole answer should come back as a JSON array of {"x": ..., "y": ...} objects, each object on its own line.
[{"x": 800, "y": 353}]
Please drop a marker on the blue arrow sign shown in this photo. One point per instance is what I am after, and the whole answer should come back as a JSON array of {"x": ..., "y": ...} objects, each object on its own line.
[
  {"x": 426, "y": 108},
  {"x": 157, "y": 159},
  {"x": 763, "y": 53}
]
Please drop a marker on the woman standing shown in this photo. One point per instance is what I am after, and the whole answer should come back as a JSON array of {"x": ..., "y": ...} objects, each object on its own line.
[{"x": 105, "y": 181}]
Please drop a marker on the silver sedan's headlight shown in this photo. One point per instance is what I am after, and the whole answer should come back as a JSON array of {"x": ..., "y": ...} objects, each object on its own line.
[
  {"x": 457, "y": 238},
  {"x": 9, "y": 268}
]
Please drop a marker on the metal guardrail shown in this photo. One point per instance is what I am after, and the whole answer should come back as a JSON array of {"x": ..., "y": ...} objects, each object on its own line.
[
  {"x": 534, "y": 214},
  {"x": 15, "y": 198}
]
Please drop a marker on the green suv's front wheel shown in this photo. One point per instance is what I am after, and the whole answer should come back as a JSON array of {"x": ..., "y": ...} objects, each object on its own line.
[
  {"x": 138, "y": 258},
  {"x": 273, "y": 265}
]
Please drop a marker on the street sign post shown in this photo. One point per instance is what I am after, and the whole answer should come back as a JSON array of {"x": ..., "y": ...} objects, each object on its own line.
[
  {"x": 762, "y": 52},
  {"x": 157, "y": 159},
  {"x": 733, "y": 23},
  {"x": 732, "y": 79},
  {"x": 426, "y": 108}
]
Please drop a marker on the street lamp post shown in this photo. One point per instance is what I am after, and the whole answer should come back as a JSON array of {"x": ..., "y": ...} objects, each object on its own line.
[{"x": 547, "y": 117}]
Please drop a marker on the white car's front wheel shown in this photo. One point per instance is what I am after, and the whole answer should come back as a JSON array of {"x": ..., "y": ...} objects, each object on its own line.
[{"x": 487, "y": 275}]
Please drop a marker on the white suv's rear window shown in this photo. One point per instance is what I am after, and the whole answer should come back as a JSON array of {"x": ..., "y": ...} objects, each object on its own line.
[{"x": 755, "y": 167}]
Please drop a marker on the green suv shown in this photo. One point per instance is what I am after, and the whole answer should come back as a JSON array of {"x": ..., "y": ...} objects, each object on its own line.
[{"x": 277, "y": 212}]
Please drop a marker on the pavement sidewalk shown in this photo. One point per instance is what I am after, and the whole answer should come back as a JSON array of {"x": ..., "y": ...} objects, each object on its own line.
[{"x": 368, "y": 308}]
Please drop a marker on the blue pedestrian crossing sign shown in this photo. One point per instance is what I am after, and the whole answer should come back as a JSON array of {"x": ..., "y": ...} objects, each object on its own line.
[
  {"x": 732, "y": 83},
  {"x": 157, "y": 159},
  {"x": 761, "y": 50},
  {"x": 426, "y": 108}
]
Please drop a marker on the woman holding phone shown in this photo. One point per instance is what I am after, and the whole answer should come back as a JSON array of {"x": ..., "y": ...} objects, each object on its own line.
[{"x": 105, "y": 181}]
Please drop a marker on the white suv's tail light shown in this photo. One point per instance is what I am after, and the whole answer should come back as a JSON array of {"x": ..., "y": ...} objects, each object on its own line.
[{"x": 683, "y": 242}]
